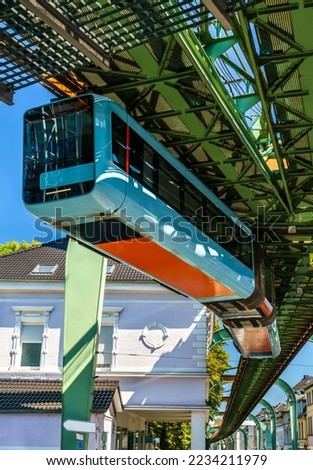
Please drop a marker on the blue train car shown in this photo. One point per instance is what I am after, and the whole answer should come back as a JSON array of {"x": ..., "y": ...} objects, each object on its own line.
[{"x": 91, "y": 170}]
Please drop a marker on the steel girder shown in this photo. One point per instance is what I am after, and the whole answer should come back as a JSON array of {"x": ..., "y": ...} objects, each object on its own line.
[{"x": 235, "y": 107}]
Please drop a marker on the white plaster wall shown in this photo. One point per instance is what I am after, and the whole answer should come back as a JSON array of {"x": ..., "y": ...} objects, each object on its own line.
[
  {"x": 37, "y": 431},
  {"x": 53, "y": 358},
  {"x": 172, "y": 375},
  {"x": 30, "y": 431},
  {"x": 7, "y": 321},
  {"x": 183, "y": 349},
  {"x": 163, "y": 391}
]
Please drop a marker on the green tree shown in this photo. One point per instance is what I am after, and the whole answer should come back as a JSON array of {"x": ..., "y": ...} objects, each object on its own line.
[
  {"x": 13, "y": 246},
  {"x": 172, "y": 435},
  {"x": 217, "y": 364}
]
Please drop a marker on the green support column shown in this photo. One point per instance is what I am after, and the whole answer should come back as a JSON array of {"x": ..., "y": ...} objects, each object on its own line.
[
  {"x": 85, "y": 273},
  {"x": 245, "y": 438},
  {"x": 220, "y": 336},
  {"x": 293, "y": 411},
  {"x": 272, "y": 421},
  {"x": 218, "y": 46},
  {"x": 261, "y": 427},
  {"x": 258, "y": 430},
  {"x": 232, "y": 442}
]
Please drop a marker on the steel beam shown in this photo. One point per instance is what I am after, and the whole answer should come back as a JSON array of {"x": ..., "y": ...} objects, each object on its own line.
[
  {"x": 73, "y": 35},
  {"x": 251, "y": 57},
  {"x": 205, "y": 67},
  {"x": 6, "y": 95}
]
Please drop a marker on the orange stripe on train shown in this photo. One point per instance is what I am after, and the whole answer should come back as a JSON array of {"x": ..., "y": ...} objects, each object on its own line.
[
  {"x": 160, "y": 264},
  {"x": 266, "y": 307}
]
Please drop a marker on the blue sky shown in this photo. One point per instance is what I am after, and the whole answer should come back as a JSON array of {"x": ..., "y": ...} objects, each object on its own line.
[
  {"x": 300, "y": 366},
  {"x": 17, "y": 224}
]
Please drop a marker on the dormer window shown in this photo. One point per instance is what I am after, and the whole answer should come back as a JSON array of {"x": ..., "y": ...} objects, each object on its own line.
[
  {"x": 44, "y": 269},
  {"x": 110, "y": 268}
]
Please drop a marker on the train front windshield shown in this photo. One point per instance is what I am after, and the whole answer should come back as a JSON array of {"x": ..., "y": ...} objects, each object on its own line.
[{"x": 58, "y": 136}]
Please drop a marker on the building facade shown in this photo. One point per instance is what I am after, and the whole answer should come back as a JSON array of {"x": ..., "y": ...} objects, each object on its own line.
[
  {"x": 309, "y": 395},
  {"x": 303, "y": 394},
  {"x": 305, "y": 424},
  {"x": 152, "y": 346}
]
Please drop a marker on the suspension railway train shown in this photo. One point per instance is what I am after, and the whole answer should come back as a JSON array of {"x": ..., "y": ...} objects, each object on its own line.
[{"x": 92, "y": 171}]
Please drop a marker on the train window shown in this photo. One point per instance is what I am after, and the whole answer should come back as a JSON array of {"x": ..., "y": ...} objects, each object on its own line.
[
  {"x": 169, "y": 184},
  {"x": 118, "y": 141},
  {"x": 145, "y": 164},
  {"x": 125, "y": 142},
  {"x": 136, "y": 155},
  {"x": 242, "y": 247},
  {"x": 57, "y": 136},
  {"x": 216, "y": 224},
  {"x": 149, "y": 167},
  {"x": 193, "y": 204},
  {"x": 227, "y": 233}
]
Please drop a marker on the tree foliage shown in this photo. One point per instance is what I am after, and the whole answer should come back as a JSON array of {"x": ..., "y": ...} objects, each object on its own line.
[
  {"x": 217, "y": 364},
  {"x": 13, "y": 246},
  {"x": 172, "y": 435}
]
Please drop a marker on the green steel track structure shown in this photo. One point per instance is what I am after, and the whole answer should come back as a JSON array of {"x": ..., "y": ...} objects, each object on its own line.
[{"x": 235, "y": 105}]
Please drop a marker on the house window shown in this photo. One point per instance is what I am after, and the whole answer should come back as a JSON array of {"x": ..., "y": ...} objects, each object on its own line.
[
  {"x": 30, "y": 337},
  {"x": 310, "y": 426},
  {"x": 31, "y": 345},
  {"x": 44, "y": 269},
  {"x": 107, "y": 345}
]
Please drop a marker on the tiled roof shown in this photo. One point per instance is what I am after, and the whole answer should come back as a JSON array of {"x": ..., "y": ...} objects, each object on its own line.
[
  {"x": 20, "y": 265},
  {"x": 282, "y": 408},
  {"x": 304, "y": 383},
  {"x": 27, "y": 395}
]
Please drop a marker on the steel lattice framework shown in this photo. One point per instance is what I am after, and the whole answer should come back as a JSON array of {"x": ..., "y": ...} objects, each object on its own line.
[{"x": 235, "y": 106}]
